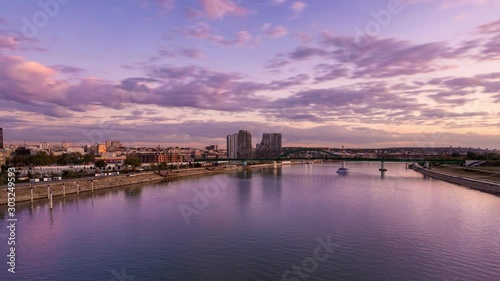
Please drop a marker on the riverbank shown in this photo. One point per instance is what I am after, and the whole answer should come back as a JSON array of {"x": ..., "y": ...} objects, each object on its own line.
[
  {"x": 41, "y": 190},
  {"x": 480, "y": 185}
]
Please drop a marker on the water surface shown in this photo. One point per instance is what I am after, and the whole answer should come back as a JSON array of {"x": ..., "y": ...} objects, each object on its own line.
[{"x": 257, "y": 224}]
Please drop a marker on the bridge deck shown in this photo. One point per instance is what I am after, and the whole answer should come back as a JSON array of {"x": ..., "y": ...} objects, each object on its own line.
[{"x": 435, "y": 160}]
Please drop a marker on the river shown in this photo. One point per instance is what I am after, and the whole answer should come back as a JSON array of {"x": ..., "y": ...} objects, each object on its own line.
[{"x": 302, "y": 222}]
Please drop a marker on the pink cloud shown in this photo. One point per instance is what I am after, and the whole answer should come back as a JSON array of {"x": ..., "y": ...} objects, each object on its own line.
[
  {"x": 8, "y": 43},
  {"x": 493, "y": 27},
  {"x": 217, "y": 9},
  {"x": 298, "y": 7},
  {"x": 451, "y": 3},
  {"x": 274, "y": 31}
]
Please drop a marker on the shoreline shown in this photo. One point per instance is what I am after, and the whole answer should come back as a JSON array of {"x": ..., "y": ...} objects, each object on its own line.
[
  {"x": 483, "y": 186},
  {"x": 88, "y": 185}
]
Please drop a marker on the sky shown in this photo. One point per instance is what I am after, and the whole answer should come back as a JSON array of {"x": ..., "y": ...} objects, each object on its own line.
[{"x": 359, "y": 74}]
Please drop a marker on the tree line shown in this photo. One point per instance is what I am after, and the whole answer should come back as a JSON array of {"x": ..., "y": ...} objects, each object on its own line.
[{"x": 42, "y": 158}]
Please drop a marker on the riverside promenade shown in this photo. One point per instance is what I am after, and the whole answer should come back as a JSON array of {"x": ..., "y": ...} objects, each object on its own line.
[{"x": 481, "y": 185}]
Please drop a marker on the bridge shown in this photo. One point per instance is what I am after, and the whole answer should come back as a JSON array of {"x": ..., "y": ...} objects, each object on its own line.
[{"x": 336, "y": 157}]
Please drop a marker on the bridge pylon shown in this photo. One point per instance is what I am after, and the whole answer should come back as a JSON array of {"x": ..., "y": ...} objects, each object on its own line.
[{"x": 382, "y": 167}]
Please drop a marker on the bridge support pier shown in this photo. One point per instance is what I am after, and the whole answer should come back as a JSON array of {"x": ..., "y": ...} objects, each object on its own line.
[
  {"x": 344, "y": 164},
  {"x": 275, "y": 165},
  {"x": 382, "y": 167},
  {"x": 427, "y": 165},
  {"x": 244, "y": 163}
]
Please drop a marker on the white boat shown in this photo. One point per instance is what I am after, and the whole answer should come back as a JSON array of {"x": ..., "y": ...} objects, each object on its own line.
[{"x": 342, "y": 171}]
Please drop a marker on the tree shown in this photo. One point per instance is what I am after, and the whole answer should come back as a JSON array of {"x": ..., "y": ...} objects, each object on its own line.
[
  {"x": 471, "y": 155},
  {"x": 163, "y": 166},
  {"x": 67, "y": 174},
  {"x": 133, "y": 161},
  {"x": 88, "y": 158},
  {"x": 100, "y": 164}
]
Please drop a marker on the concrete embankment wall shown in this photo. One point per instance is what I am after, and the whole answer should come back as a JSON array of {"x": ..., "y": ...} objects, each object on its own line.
[
  {"x": 40, "y": 191},
  {"x": 172, "y": 175},
  {"x": 491, "y": 188}
]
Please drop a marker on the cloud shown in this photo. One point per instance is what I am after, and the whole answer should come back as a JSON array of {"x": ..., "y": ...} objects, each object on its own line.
[
  {"x": 68, "y": 69},
  {"x": 327, "y": 72},
  {"x": 384, "y": 57},
  {"x": 376, "y": 57},
  {"x": 10, "y": 43},
  {"x": 217, "y": 9},
  {"x": 492, "y": 27},
  {"x": 274, "y": 31},
  {"x": 446, "y": 4},
  {"x": 204, "y": 31},
  {"x": 199, "y": 133},
  {"x": 278, "y": 2},
  {"x": 166, "y": 5},
  {"x": 192, "y": 53},
  {"x": 306, "y": 52},
  {"x": 455, "y": 98},
  {"x": 298, "y": 7},
  {"x": 296, "y": 80},
  {"x": 191, "y": 13},
  {"x": 304, "y": 37},
  {"x": 276, "y": 63}
]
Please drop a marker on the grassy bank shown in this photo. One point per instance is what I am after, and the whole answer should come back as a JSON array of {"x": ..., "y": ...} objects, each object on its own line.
[{"x": 481, "y": 184}]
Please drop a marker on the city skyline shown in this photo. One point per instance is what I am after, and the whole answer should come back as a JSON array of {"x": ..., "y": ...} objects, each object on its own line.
[{"x": 190, "y": 72}]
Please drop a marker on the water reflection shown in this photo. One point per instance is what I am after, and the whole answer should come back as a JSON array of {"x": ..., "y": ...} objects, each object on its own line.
[
  {"x": 133, "y": 192},
  {"x": 244, "y": 187},
  {"x": 245, "y": 174}
]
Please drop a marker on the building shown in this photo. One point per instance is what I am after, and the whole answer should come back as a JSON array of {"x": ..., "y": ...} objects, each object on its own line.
[
  {"x": 2, "y": 158},
  {"x": 100, "y": 149},
  {"x": 239, "y": 145},
  {"x": 244, "y": 145},
  {"x": 116, "y": 144},
  {"x": 159, "y": 157},
  {"x": 1, "y": 138},
  {"x": 24, "y": 151},
  {"x": 196, "y": 154},
  {"x": 44, "y": 146},
  {"x": 232, "y": 146},
  {"x": 212, "y": 147},
  {"x": 270, "y": 146},
  {"x": 76, "y": 149},
  {"x": 65, "y": 144}
]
